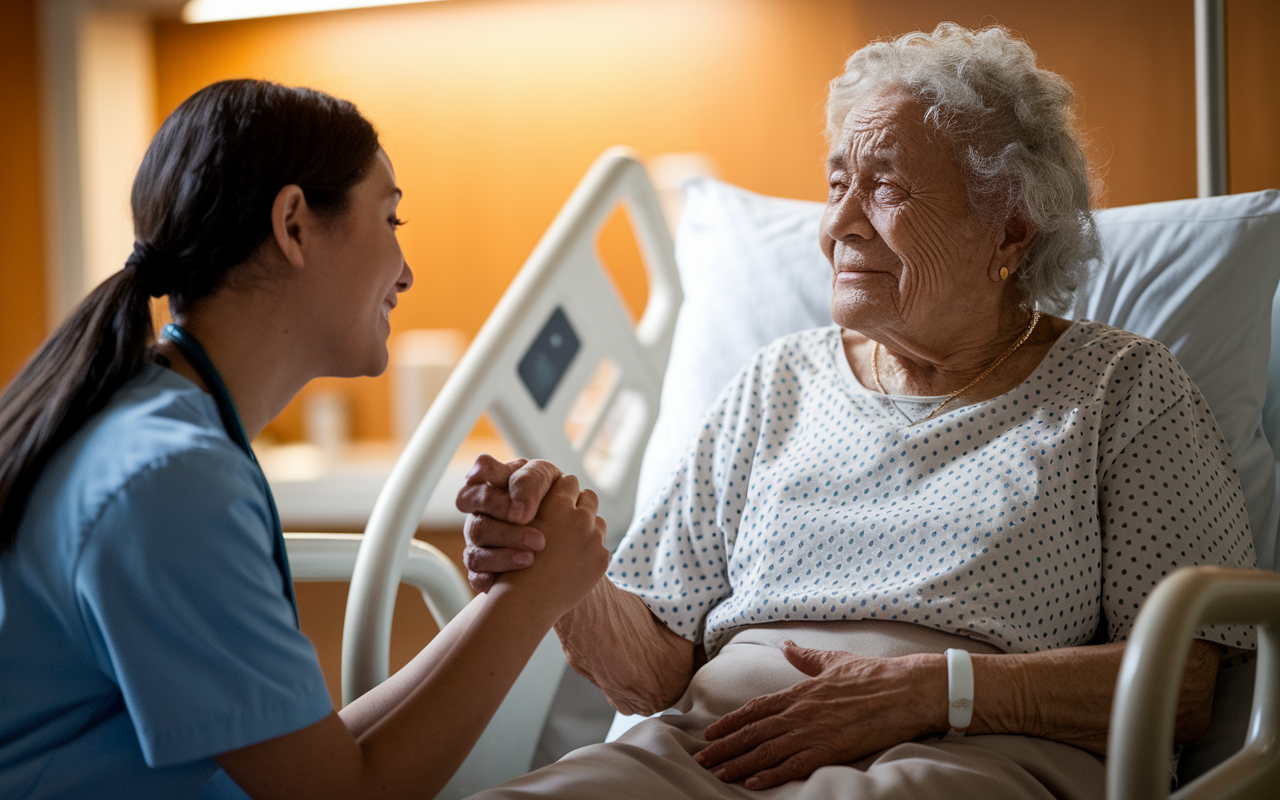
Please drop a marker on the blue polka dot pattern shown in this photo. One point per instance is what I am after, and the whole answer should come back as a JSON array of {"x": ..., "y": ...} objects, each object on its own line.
[{"x": 1026, "y": 521}]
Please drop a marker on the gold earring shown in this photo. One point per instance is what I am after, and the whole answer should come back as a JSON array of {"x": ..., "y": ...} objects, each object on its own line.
[{"x": 1004, "y": 273}]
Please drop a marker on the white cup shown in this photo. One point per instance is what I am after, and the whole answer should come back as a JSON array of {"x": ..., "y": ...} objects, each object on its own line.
[{"x": 422, "y": 359}]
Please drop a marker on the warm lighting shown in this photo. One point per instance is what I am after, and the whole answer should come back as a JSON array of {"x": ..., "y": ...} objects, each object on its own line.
[{"x": 218, "y": 10}]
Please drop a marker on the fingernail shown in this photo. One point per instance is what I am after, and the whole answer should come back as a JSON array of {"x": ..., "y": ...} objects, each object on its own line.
[
  {"x": 524, "y": 559},
  {"x": 719, "y": 773},
  {"x": 752, "y": 783}
]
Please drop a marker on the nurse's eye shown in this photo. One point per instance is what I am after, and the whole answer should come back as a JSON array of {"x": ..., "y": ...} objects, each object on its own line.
[{"x": 395, "y": 221}]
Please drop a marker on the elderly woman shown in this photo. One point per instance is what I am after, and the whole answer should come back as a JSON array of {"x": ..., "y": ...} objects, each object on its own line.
[{"x": 948, "y": 470}]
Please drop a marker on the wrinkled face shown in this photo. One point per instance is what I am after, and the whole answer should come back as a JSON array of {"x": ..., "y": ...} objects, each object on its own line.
[
  {"x": 909, "y": 258},
  {"x": 363, "y": 271}
]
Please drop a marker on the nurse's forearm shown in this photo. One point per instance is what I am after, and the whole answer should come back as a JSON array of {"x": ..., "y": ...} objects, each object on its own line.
[
  {"x": 613, "y": 640},
  {"x": 373, "y": 705},
  {"x": 412, "y": 750},
  {"x": 481, "y": 659}
]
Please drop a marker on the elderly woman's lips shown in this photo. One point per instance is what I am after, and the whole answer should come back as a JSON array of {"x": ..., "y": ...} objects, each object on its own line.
[{"x": 854, "y": 274}]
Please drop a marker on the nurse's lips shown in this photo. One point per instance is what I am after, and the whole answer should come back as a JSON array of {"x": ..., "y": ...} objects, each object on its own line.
[{"x": 387, "y": 305}]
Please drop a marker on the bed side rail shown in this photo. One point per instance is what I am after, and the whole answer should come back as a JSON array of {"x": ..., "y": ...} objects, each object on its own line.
[
  {"x": 1146, "y": 699},
  {"x": 332, "y": 557}
]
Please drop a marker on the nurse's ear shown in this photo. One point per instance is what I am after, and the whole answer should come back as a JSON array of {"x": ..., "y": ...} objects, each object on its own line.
[{"x": 289, "y": 212}]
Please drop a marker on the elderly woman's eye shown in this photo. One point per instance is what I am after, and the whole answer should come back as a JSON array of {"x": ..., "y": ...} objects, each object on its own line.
[{"x": 886, "y": 192}]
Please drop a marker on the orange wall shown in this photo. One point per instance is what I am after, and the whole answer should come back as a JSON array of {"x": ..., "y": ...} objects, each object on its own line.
[
  {"x": 492, "y": 109},
  {"x": 22, "y": 315}
]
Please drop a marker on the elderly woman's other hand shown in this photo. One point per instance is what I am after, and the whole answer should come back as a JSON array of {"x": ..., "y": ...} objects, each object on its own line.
[
  {"x": 851, "y": 707},
  {"x": 854, "y": 706},
  {"x": 501, "y": 499}
]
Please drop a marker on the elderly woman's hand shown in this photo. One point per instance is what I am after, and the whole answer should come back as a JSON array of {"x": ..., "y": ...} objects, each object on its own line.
[
  {"x": 852, "y": 706},
  {"x": 500, "y": 501}
]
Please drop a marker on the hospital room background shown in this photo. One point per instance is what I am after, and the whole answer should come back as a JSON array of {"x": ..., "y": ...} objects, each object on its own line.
[{"x": 491, "y": 110}]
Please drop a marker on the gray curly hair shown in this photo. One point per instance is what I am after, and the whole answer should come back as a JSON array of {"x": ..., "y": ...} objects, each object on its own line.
[{"x": 1015, "y": 138}]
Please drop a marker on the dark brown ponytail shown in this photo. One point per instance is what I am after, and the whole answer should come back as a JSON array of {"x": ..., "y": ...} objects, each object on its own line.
[{"x": 201, "y": 207}]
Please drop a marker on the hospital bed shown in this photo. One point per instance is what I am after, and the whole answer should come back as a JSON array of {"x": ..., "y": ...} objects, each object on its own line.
[{"x": 565, "y": 375}]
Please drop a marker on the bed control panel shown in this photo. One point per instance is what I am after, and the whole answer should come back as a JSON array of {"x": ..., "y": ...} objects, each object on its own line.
[{"x": 549, "y": 357}]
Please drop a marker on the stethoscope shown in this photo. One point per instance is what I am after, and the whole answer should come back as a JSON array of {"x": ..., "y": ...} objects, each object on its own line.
[{"x": 199, "y": 359}]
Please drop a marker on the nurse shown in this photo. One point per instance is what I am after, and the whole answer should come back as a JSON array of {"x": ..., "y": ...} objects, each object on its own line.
[{"x": 149, "y": 642}]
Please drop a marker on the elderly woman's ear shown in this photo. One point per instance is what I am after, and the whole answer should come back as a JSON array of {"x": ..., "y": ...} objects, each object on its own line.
[{"x": 1012, "y": 248}]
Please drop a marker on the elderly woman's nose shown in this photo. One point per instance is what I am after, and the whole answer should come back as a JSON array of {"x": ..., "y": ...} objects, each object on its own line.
[{"x": 847, "y": 219}]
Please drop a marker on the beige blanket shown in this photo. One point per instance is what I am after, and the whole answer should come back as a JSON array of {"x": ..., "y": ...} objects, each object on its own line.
[{"x": 654, "y": 759}]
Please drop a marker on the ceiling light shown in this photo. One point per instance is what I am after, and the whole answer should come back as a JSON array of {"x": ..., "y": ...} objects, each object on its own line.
[{"x": 218, "y": 10}]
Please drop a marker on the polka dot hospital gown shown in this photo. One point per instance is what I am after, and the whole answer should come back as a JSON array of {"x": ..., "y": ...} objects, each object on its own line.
[{"x": 1024, "y": 521}]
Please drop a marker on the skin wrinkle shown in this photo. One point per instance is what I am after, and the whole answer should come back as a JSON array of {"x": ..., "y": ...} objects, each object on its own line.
[
  {"x": 1060, "y": 710},
  {"x": 638, "y": 662}
]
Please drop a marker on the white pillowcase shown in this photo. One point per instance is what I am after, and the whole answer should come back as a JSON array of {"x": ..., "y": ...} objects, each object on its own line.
[
  {"x": 751, "y": 271},
  {"x": 1200, "y": 276},
  {"x": 1197, "y": 275}
]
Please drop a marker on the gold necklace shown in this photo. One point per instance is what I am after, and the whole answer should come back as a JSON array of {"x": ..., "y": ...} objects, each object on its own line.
[{"x": 875, "y": 369}]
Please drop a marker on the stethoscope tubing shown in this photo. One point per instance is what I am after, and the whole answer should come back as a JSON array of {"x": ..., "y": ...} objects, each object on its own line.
[{"x": 200, "y": 361}]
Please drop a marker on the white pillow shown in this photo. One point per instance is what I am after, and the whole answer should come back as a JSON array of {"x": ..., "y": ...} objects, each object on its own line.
[
  {"x": 1197, "y": 275},
  {"x": 1200, "y": 276},
  {"x": 751, "y": 271}
]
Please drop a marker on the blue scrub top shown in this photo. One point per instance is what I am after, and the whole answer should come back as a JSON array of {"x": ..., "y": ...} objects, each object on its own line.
[{"x": 144, "y": 626}]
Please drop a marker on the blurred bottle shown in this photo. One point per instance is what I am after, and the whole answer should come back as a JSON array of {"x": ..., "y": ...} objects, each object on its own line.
[
  {"x": 421, "y": 360},
  {"x": 326, "y": 420},
  {"x": 668, "y": 171}
]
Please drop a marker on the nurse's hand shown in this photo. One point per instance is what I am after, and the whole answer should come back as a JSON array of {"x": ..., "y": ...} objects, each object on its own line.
[
  {"x": 574, "y": 558},
  {"x": 500, "y": 500}
]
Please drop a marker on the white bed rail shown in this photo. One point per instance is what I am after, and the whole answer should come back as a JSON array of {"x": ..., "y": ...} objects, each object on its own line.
[
  {"x": 1146, "y": 700},
  {"x": 332, "y": 557}
]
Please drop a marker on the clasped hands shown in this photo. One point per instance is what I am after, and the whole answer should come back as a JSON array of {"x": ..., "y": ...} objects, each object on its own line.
[
  {"x": 849, "y": 707},
  {"x": 512, "y": 505}
]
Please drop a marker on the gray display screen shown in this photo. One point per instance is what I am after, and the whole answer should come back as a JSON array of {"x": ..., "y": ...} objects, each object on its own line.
[{"x": 547, "y": 359}]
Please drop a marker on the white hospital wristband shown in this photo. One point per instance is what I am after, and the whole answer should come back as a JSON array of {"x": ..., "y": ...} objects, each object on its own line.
[{"x": 959, "y": 691}]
